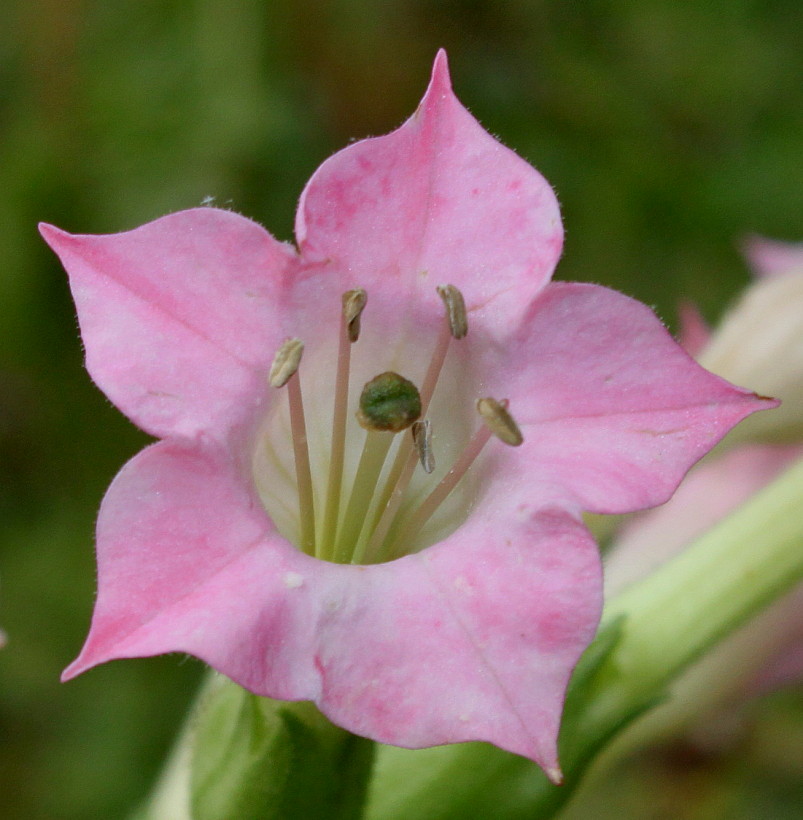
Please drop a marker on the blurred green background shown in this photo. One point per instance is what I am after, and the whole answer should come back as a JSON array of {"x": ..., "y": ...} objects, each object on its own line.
[{"x": 669, "y": 130}]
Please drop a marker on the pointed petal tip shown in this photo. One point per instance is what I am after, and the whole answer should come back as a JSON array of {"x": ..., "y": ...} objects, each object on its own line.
[
  {"x": 84, "y": 662},
  {"x": 441, "y": 81},
  {"x": 554, "y": 774},
  {"x": 56, "y": 238},
  {"x": 769, "y": 402},
  {"x": 441, "y": 64},
  {"x": 70, "y": 672},
  {"x": 49, "y": 232}
]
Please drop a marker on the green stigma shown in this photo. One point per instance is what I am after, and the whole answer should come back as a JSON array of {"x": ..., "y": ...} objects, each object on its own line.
[{"x": 389, "y": 403}]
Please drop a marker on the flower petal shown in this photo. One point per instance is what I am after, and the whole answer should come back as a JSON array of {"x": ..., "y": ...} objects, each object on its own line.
[
  {"x": 189, "y": 561},
  {"x": 613, "y": 411},
  {"x": 437, "y": 201},
  {"x": 178, "y": 316},
  {"x": 771, "y": 257},
  {"x": 502, "y": 609},
  {"x": 473, "y": 639}
]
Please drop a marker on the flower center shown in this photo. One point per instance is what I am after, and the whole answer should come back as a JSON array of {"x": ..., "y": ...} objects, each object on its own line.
[{"x": 381, "y": 513}]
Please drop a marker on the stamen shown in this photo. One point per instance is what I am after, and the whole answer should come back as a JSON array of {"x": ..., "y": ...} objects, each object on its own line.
[
  {"x": 496, "y": 416},
  {"x": 284, "y": 371},
  {"x": 488, "y": 409},
  {"x": 455, "y": 310},
  {"x": 285, "y": 362},
  {"x": 455, "y": 326},
  {"x": 353, "y": 304},
  {"x": 379, "y": 527},
  {"x": 422, "y": 438}
]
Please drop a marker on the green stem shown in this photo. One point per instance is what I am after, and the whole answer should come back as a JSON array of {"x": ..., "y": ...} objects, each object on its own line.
[{"x": 716, "y": 584}]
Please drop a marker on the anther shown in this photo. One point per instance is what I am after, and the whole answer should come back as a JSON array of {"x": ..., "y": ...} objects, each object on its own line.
[
  {"x": 353, "y": 304},
  {"x": 499, "y": 421},
  {"x": 389, "y": 402},
  {"x": 285, "y": 362},
  {"x": 455, "y": 310},
  {"x": 422, "y": 438},
  {"x": 284, "y": 368}
]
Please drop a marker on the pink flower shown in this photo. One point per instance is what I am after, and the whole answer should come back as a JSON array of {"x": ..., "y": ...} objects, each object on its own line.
[{"x": 472, "y": 632}]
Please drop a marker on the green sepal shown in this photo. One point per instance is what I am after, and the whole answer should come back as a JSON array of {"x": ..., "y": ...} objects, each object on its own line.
[{"x": 258, "y": 759}]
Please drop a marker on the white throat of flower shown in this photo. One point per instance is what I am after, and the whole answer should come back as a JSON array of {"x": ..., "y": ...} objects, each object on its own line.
[{"x": 378, "y": 517}]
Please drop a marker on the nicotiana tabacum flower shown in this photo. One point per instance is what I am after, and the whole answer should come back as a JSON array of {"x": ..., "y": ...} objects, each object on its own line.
[{"x": 376, "y": 447}]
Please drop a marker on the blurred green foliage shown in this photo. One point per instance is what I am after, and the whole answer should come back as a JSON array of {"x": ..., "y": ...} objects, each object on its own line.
[{"x": 669, "y": 130}]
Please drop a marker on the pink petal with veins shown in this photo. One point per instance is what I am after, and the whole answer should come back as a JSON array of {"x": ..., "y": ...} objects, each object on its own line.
[
  {"x": 437, "y": 201},
  {"x": 178, "y": 316},
  {"x": 605, "y": 424}
]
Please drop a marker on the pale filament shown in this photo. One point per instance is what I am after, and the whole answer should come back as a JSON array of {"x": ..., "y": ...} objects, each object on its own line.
[
  {"x": 298, "y": 428},
  {"x": 329, "y": 528}
]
